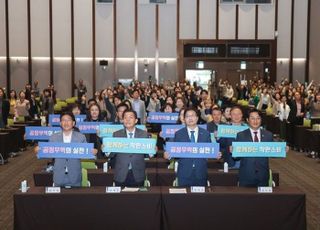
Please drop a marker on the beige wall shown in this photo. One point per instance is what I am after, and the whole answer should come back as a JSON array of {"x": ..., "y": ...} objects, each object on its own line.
[
  {"x": 314, "y": 62},
  {"x": 131, "y": 56}
]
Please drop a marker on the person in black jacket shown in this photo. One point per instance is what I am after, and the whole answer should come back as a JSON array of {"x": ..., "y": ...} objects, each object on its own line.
[{"x": 4, "y": 109}]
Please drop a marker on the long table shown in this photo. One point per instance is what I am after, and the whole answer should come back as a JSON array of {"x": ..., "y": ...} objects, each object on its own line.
[
  {"x": 159, "y": 162},
  {"x": 218, "y": 208},
  {"x": 156, "y": 176}
]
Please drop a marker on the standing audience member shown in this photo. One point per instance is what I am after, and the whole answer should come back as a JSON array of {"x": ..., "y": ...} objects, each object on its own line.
[{"x": 4, "y": 109}]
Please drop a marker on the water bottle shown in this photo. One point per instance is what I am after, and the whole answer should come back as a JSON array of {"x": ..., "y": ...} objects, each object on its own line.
[
  {"x": 105, "y": 167},
  {"x": 176, "y": 167},
  {"x": 308, "y": 116},
  {"x": 225, "y": 167}
]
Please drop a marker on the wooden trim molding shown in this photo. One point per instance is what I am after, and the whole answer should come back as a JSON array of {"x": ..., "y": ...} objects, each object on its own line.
[
  {"x": 29, "y": 43},
  {"x": 237, "y": 22},
  {"x": 93, "y": 47},
  {"x": 256, "y": 23},
  {"x": 291, "y": 42},
  {"x": 8, "y": 62},
  {"x": 114, "y": 40},
  {"x": 72, "y": 49},
  {"x": 306, "y": 76},
  {"x": 51, "y": 41}
]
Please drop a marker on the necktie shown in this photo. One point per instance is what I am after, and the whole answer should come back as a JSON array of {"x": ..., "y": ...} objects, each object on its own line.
[
  {"x": 192, "y": 137},
  {"x": 130, "y": 165},
  {"x": 255, "y": 139}
]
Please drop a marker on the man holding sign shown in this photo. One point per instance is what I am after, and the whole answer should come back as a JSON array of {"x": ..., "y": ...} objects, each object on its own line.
[
  {"x": 254, "y": 171},
  {"x": 191, "y": 171},
  {"x": 67, "y": 172},
  {"x": 129, "y": 168}
]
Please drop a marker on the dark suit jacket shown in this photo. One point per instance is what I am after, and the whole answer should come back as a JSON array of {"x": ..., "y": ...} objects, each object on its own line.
[
  {"x": 185, "y": 165},
  {"x": 122, "y": 160},
  {"x": 225, "y": 143},
  {"x": 5, "y": 110},
  {"x": 293, "y": 113},
  {"x": 254, "y": 171}
]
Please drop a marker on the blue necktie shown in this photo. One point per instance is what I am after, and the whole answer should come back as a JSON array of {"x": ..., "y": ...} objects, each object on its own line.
[
  {"x": 192, "y": 137},
  {"x": 130, "y": 165}
]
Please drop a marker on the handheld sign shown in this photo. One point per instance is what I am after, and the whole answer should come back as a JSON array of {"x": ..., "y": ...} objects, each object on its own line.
[
  {"x": 54, "y": 119},
  {"x": 168, "y": 131},
  {"x": 89, "y": 126},
  {"x": 162, "y": 118},
  {"x": 106, "y": 130},
  {"x": 40, "y": 132},
  {"x": 230, "y": 131},
  {"x": 192, "y": 150},
  {"x": 129, "y": 145},
  {"x": 259, "y": 149},
  {"x": 65, "y": 150}
]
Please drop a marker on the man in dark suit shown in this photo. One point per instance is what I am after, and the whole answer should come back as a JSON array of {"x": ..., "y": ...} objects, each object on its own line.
[
  {"x": 129, "y": 168},
  {"x": 225, "y": 142},
  {"x": 254, "y": 171},
  {"x": 216, "y": 114},
  {"x": 191, "y": 171}
]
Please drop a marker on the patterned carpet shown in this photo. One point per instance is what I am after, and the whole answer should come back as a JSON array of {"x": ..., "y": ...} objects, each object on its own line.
[{"x": 296, "y": 170}]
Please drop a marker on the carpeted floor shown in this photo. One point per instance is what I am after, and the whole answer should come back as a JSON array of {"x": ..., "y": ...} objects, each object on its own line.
[{"x": 296, "y": 170}]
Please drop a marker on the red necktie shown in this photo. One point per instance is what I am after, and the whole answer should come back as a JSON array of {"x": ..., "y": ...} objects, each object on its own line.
[{"x": 255, "y": 139}]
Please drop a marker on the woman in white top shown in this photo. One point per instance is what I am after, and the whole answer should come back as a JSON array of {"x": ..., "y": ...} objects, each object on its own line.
[
  {"x": 283, "y": 113},
  {"x": 265, "y": 100},
  {"x": 22, "y": 105}
]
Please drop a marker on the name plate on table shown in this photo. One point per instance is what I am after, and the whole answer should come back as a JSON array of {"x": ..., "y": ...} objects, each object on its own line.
[
  {"x": 259, "y": 149},
  {"x": 88, "y": 127},
  {"x": 265, "y": 190},
  {"x": 168, "y": 131},
  {"x": 162, "y": 118},
  {"x": 192, "y": 150},
  {"x": 113, "y": 189},
  {"x": 129, "y": 145},
  {"x": 106, "y": 130},
  {"x": 198, "y": 189},
  {"x": 177, "y": 190},
  {"x": 53, "y": 190},
  {"x": 230, "y": 131},
  {"x": 40, "y": 132},
  {"x": 65, "y": 150},
  {"x": 54, "y": 119}
]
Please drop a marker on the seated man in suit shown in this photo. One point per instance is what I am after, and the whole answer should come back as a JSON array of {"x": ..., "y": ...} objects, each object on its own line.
[
  {"x": 191, "y": 171},
  {"x": 254, "y": 171},
  {"x": 129, "y": 168}
]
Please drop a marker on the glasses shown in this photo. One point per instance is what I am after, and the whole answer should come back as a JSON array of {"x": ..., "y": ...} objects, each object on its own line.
[
  {"x": 190, "y": 116},
  {"x": 66, "y": 120}
]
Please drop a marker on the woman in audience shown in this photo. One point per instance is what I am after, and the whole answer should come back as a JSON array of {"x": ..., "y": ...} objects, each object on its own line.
[
  {"x": 94, "y": 115},
  {"x": 100, "y": 101},
  {"x": 179, "y": 104},
  {"x": 22, "y": 106},
  {"x": 4, "y": 109},
  {"x": 283, "y": 113},
  {"x": 154, "y": 103},
  {"x": 315, "y": 106},
  {"x": 13, "y": 102},
  {"x": 265, "y": 100},
  {"x": 47, "y": 106},
  {"x": 169, "y": 100}
]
